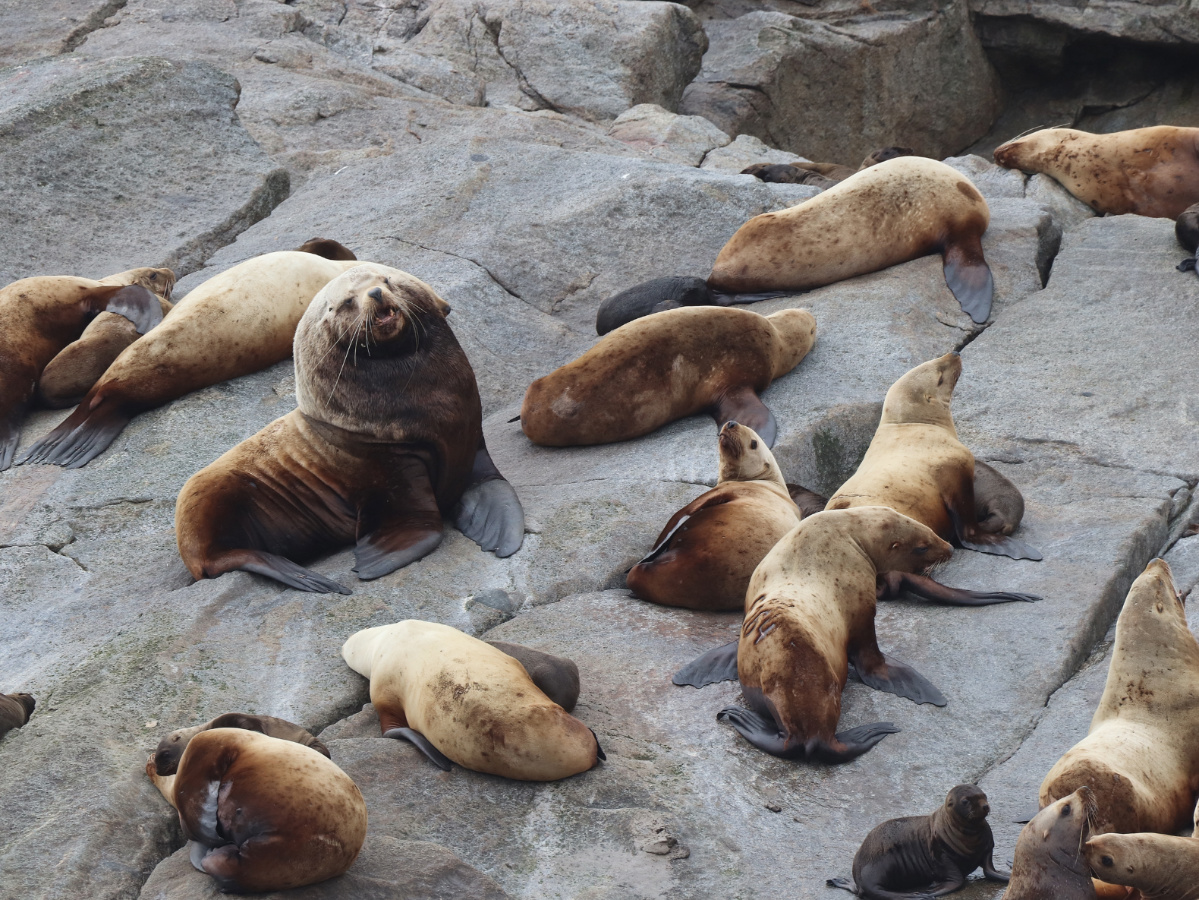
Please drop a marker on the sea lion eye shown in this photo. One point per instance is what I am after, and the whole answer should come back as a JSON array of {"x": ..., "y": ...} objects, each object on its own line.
[
  {"x": 349, "y": 301},
  {"x": 753, "y": 445},
  {"x": 1107, "y": 861},
  {"x": 1066, "y": 810},
  {"x": 920, "y": 551},
  {"x": 153, "y": 276}
]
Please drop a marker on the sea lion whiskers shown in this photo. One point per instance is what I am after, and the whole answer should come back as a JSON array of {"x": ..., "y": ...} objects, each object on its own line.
[{"x": 353, "y": 344}]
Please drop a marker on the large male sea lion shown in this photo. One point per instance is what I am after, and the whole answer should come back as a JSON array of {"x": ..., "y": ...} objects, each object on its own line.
[
  {"x": 170, "y": 749},
  {"x": 1147, "y": 171},
  {"x": 458, "y": 698},
  {"x": 667, "y": 366},
  {"x": 917, "y": 465},
  {"x": 235, "y": 323},
  {"x": 1158, "y": 866},
  {"x": 1186, "y": 229},
  {"x": 920, "y": 856},
  {"x": 1050, "y": 863},
  {"x": 266, "y": 814},
  {"x": 1141, "y": 756},
  {"x": 15, "y": 710},
  {"x": 386, "y": 442}
]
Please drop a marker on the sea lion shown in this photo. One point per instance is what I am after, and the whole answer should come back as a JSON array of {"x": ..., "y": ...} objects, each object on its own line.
[
  {"x": 792, "y": 173},
  {"x": 704, "y": 557},
  {"x": 555, "y": 676},
  {"x": 386, "y": 442},
  {"x": 1140, "y": 756},
  {"x": 266, "y": 814},
  {"x": 170, "y": 749},
  {"x": 327, "y": 248},
  {"x": 458, "y": 698},
  {"x": 235, "y": 323},
  {"x": 1147, "y": 171},
  {"x": 1158, "y": 866},
  {"x": 1186, "y": 229},
  {"x": 664, "y": 367},
  {"x": 921, "y": 856},
  {"x": 917, "y": 465},
  {"x": 15, "y": 710},
  {"x": 38, "y": 317},
  {"x": 883, "y": 154},
  {"x": 867, "y": 222},
  {"x": 810, "y": 614},
  {"x": 1049, "y": 863}
]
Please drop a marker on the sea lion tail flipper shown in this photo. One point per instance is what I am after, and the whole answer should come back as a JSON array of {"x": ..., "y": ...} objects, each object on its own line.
[
  {"x": 850, "y": 744},
  {"x": 969, "y": 277},
  {"x": 761, "y": 731},
  {"x": 715, "y": 665},
  {"x": 897, "y": 678},
  {"x": 923, "y": 586},
  {"x": 424, "y": 745},
  {"x": 1190, "y": 264},
  {"x": 287, "y": 572},
  {"x": 137, "y": 305},
  {"x": 81, "y": 436},
  {"x": 721, "y": 298},
  {"x": 742, "y": 404},
  {"x": 809, "y": 502}
]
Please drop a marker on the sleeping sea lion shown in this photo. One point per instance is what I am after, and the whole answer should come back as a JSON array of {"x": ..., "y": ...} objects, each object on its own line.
[
  {"x": 1140, "y": 756},
  {"x": 166, "y": 757},
  {"x": 1158, "y": 866},
  {"x": 15, "y": 710},
  {"x": 664, "y": 367},
  {"x": 1147, "y": 171},
  {"x": 1049, "y": 863},
  {"x": 462, "y": 700},
  {"x": 793, "y": 173},
  {"x": 387, "y": 441},
  {"x": 1186, "y": 229}
]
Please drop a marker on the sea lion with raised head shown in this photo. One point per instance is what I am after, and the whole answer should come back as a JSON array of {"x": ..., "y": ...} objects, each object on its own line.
[
  {"x": 15, "y": 710},
  {"x": 1147, "y": 171},
  {"x": 921, "y": 856},
  {"x": 387, "y": 442},
  {"x": 661, "y": 368},
  {"x": 1140, "y": 756},
  {"x": 170, "y": 749},
  {"x": 1157, "y": 866},
  {"x": 1050, "y": 863},
  {"x": 265, "y": 814},
  {"x": 462, "y": 700},
  {"x": 1186, "y": 229}
]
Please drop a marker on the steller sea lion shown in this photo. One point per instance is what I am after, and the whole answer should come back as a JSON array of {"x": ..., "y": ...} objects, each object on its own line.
[
  {"x": 1140, "y": 756},
  {"x": 170, "y": 749},
  {"x": 1147, "y": 171},
  {"x": 922, "y": 856},
  {"x": 266, "y": 814},
  {"x": 658, "y": 369},
  {"x": 1049, "y": 863},
  {"x": 328, "y": 248},
  {"x": 462, "y": 700},
  {"x": 1158, "y": 866},
  {"x": 386, "y": 442},
  {"x": 1186, "y": 229},
  {"x": 15, "y": 710}
]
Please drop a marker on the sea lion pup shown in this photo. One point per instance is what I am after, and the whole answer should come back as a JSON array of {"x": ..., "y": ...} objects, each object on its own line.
[
  {"x": 386, "y": 442},
  {"x": 38, "y": 317},
  {"x": 810, "y": 614},
  {"x": 15, "y": 710},
  {"x": 1140, "y": 756},
  {"x": 867, "y": 222},
  {"x": 555, "y": 676},
  {"x": 923, "y": 856},
  {"x": 327, "y": 248},
  {"x": 1186, "y": 229},
  {"x": 166, "y": 757},
  {"x": 266, "y": 814},
  {"x": 462, "y": 700},
  {"x": 1147, "y": 171},
  {"x": 664, "y": 367},
  {"x": 704, "y": 557},
  {"x": 1050, "y": 863},
  {"x": 235, "y": 323},
  {"x": 792, "y": 173},
  {"x": 1159, "y": 866},
  {"x": 917, "y": 465}
]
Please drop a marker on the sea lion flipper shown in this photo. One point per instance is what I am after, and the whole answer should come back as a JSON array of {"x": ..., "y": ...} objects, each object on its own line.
[
  {"x": 287, "y": 572},
  {"x": 742, "y": 404},
  {"x": 894, "y": 583},
  {"x": 1190, "y": 264},
  {"x": 846, "y": 884},
  {"x": 896, "y": 678},
  {"x": 10, "y": 435},
  {"x": 81, "y": 436},
  {"x": 137, "y": 305},
  {"x": 715, "y": 665},
  {"x": 809, "y": 502},
  {"x": 969, "y": 278},
  {"x": 489, "y": 512},
  {"x": 1002, "y": 545},
  {"x": 394, "y": 546},
  {"x": 423, "y": 744},
  {"x": 760, "y": 730},
  {"x": 327, "y": 248}
]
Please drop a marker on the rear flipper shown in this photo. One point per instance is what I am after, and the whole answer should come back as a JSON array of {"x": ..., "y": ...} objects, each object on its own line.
[
  {"x": 81, "y": 436},
  {"x": 489, "y": 512},
  {"x": 763, "y": 733},
  {"x": 137, "y": 305},
  {"x": 846, "y": 884},
  {"x": 892, "y": 584},
  {"x": 280, "y": 569},
  {"x": 720, "y": 298},
  {"x": 897, "y": 678},
  {"x": 424, "y": 745},
  {"x": 715, "y": 665},
  {"x": 742, "y": 404},
  {"x": 1190, "y": 264},
  {"x": 996, "y": 544},
  {"x": 969, "y": 277},
  {"x": 809, "y": 502}
]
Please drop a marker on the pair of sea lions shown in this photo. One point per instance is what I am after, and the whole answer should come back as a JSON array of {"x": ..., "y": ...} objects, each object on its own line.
[
  {"x": 881, "y": 216},
  {"x": 1186, "y": 229},
  {"x": 15, "y": 710},
  {"x": 821, "y": 175}
]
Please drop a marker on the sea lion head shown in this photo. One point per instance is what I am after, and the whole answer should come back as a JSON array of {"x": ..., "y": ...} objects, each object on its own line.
[
  {"x": 157, "y": 281},
  {"x": 744, "y": 456},
  {"x": 1127, "y": 859},
  {"x": 1065, "y": 824},
  {"x": 359, "y": 649},
  {"x": 883, "y": 154},
  {"x": 1031, "y": 152},
  {"x": 1153, "y": 610},
  {"x": 796, "y": 329},
  {"x": 924, "y": 394},
  {"x": 894, "y": 541},
  {"x": 27, "y": 701},
  {"x": 967, "y": 805},
  {"x": 170, "y": 749},
  {"x": 377, "y": 310}
]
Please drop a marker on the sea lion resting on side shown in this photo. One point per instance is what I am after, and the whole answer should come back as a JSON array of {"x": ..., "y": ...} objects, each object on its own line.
[
  {"x": 1049, "y": 863},
  {"x": 386, "y": 442},
  {"x": 1186, "y": 229},
  {"x": 921, "y": 856},
  {"x": 1140, "y": 756},
  {"x": 15, "y": 710},
  {"x": 1158, "y": 866},
  {"x": 462, "y": 700}
]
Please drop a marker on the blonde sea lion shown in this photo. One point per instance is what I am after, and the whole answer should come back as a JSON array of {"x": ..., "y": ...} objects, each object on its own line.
[
  {"x": 15, "y": 710},
  {"x": 457, "y": 698},
  {"x": 1049, "y": 863},
  {"x": 170, "y": 749},
  {"x": 235, "y": 323},
  {"x": 387, "y": 441},
  {"x": 1157, "y": 866},
  {"x": 266, "y": 814},
  {"x": 1141, "y": 756},
  {"x": 664, "y": 367},
  {"x": 1186, "y": 229},
  {"x": 1147, "y": 171}
]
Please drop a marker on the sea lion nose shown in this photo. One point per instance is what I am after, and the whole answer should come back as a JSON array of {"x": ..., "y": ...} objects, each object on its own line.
[{"x": 375, "y": 293}]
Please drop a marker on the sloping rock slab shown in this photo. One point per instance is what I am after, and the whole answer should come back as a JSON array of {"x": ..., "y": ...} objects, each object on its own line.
[
  {"x": 48, "y": 27},
  {"x": 1169, "y": 22}
]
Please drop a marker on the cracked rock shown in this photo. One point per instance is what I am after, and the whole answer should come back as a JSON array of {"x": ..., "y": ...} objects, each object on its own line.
[{"x": 667, "y": 136}]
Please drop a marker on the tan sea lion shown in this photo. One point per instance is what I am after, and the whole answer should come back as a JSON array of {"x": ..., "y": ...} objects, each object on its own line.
[
  {"x": 266, "y": 814},
  {"x": 704, "y": 557},
  {"x": 1141, "y": 756},
  {"x": 1186, "y": 229},
  {"x": 1158, "y": 866},
  {"x": 15, "y": 710},
  {"x": 235, "y": 323},
  {"x": 386, "y": 442},
  {"x": 664, "y": 367},
  {"x": 170, "y": 749},
  {"x": 917, "y": 465},
  {"x": 1147, "y": 171},
  {"x": 867, "y": 222},
  {"x": 1049, "y": 863},
  {"x": 458, "y": 698}
]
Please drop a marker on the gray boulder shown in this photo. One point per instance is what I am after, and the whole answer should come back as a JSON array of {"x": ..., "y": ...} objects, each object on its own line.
[
  {"x": 1168, "y": 22},
  {"x": 667, "y": 136},
  {"x": 744, "y": 151}
]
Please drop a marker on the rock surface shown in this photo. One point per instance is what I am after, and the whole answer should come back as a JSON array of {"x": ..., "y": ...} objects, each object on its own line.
[{"x": 1168, "y": 22}]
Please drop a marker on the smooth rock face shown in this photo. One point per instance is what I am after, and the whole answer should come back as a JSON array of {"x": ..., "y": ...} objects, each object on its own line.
[{"x": 667, "y": 136}]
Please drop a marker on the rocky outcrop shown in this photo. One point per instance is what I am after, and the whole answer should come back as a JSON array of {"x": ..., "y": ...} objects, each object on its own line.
[
  {"x": 1167, "y": 22},
  {"x": 667, "y": 136}
]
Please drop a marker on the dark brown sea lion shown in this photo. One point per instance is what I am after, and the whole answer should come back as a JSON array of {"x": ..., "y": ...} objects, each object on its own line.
[
  {"x": 1186, "y": 229},
  {"x": 170, "y": 749},
  {"x": 15, "y": 710},
  {"x": 926, "y": 856},
  {"x": 327, "y": 248},
  {"x": 1050, "y": 863},
  {"x": 387, "y": 441},
  {"x": 555, "y": 676}
]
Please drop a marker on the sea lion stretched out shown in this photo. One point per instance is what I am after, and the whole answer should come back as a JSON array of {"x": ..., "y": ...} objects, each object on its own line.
[
  {"x": 921, "y": 856},
  {"x": 1141, "y": 756},
  {"x": 15, "y": 710},
  {"x": 1186, "y": 229},
  {"x": 1158, "y": 866},
  {"x": 462, "y": 700},
  {"x": 1049, "y": 863},
  {"x": 1147, "y": 171},
  {"x": 387, "y": 441},
  {"x": 664, "y": 367},
  {"x": 822, "y": 175}
]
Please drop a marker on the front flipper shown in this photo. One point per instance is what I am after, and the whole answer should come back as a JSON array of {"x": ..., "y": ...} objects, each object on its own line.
[
  {"x": 1190, "y": 264},
  {"x": 10, "y": 435},
  {"x": 890, "y": 675},
  {"x": 995, "y": 544},
  {"x": 715, "y": 665},
  {"x": 809, "y": 502},
  {"x": 423, "y": 744},
  {"x": 969, "y": 277},
  {"x": 489, "y": 512},
  {"x": 397, "y": 543},
  {"x": 137, "y": 305},
  {"x": 285, "y": 571},
  {"x": 892, "y": 584},
  {"x": 742, "y": 404}
]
